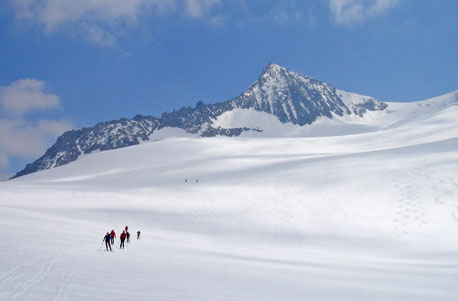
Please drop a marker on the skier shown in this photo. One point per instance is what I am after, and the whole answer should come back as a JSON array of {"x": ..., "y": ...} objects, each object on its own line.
[
  {"x": 128, "y": 236},
  {"x": 107, "y": 239},
  {"x": 112, "y": 236},
  {"x": 138, "y": 234},
  {"x": 122, "y": 237},
  {"x": 126, "y": 228}
]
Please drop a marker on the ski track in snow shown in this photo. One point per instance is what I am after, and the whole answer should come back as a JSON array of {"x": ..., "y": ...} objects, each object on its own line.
[
  {"x": 62, "y": 290},
  {"x": 22, "y": 282},
  {"x": 35, "y": 280},
  {"x": 410, "y": 211},
  {"x": 8, "y": 282}
]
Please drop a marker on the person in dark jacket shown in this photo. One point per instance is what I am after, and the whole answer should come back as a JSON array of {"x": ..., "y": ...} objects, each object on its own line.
[
  {"x": 128, "y": 236},
  {"x": 107, "y": 239},
  {"x": 138, "y": 234},
  {"x": 122, "y": 237}
]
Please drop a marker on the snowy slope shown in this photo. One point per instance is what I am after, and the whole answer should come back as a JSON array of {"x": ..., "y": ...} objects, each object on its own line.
[
  {"x": 369, "y": 215},
  {"x": 395, "y": 115}
]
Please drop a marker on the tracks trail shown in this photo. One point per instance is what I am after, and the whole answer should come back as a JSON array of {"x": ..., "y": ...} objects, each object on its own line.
[{"x": 410, "y": 211}]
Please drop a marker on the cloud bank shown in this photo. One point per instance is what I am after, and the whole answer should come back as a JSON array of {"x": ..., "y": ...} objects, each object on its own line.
[
  {"x": 21, "y": 135},
  {"x": 26, "y": 95}
]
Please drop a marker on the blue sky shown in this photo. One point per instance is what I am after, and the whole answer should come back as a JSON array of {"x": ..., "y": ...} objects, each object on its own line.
[{"x": 72, "y": 63}]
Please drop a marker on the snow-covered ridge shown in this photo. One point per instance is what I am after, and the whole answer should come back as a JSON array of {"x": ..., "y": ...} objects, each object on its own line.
[
  {"x": 279, "y": 104},
  {"x": 359, "y": 104}
]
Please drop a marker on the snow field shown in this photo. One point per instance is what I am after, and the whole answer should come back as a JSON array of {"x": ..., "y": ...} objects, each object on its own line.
[{"x": 368, "y": 216}]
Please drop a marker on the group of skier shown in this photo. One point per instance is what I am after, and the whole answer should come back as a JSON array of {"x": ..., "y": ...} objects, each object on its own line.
[
  {"x": 186, "y": 180},
  {"x": 111, "y": 236}
]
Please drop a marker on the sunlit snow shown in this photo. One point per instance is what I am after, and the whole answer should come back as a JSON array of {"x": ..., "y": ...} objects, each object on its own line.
[{"x": 349, "y": 208}]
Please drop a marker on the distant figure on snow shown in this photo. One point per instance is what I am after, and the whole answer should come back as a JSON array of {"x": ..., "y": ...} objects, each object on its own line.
[
  {"x": 197, "y": 180},
  {"x": 122, "y": 237},
  {"x": 138, "y": 234},
  {"x": 126, "y": 228},
  {"x": 128, "y": 236},
  {"x": 186, "y": 180},
  {"x": 112, "y": 236},
  {"x": 107, "y": 239}
]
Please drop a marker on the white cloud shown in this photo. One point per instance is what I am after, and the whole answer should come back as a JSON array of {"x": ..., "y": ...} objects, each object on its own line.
[
  {"x": 99, "y": 21},
  {"x": 21, "y": 136},
  {"x": 54, "y": 13},
  {"x": 348, "y": 12},
  {"x": 200, "y": 8},
  {"x": 100, "y": 36},
  {"x": 26, "y": 95}
]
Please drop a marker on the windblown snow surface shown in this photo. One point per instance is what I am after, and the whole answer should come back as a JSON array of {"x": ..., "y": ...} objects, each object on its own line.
[{"x": 365, "y": 215}]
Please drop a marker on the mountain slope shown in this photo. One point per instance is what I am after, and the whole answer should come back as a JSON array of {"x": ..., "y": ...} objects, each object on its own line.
[
  {"x": 299, "y": 99},
  {"x": 291, "y": 97},
  {"x": 101, "y": 137},
  {"x": 370, "y": 216}
]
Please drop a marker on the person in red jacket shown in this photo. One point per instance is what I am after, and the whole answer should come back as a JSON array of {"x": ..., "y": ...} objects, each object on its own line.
[
  {"x": 112, "y": 236},
  {"x": 122, "y": 237},
  {"x": 126, "y": 228}
]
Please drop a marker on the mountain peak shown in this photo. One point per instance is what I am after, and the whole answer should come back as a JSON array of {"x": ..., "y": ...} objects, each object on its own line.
[
  {"x": 273, "y": 69},
  {"x": 273, "y": 66}
]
